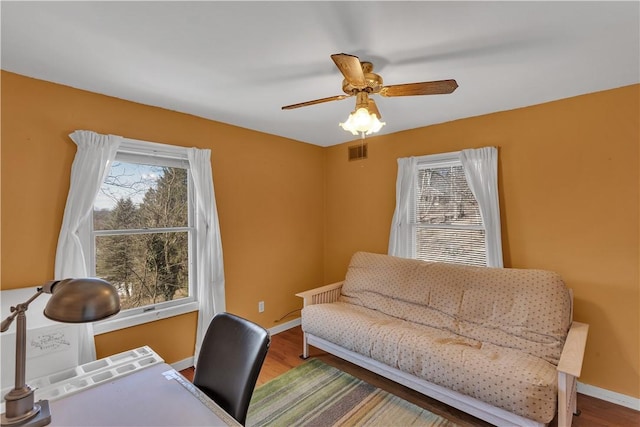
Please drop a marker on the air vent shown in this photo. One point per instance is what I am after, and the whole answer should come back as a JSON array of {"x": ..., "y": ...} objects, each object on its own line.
[{"x": 358, "y": 152}]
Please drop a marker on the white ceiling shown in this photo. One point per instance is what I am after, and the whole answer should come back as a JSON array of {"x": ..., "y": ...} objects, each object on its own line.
[{"x": 240, "y": 62}]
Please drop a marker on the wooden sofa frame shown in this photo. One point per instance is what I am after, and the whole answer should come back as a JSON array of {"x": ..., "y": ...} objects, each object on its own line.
[{"x": 569, "y": 368}]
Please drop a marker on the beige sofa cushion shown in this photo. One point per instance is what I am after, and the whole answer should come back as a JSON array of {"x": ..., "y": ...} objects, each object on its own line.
[
  {"x": 528, "y": 310},
  {"x": 503, "y": 377}
]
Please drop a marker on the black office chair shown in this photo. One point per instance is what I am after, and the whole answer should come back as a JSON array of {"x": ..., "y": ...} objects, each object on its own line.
[{"x": 231, "y": 356}]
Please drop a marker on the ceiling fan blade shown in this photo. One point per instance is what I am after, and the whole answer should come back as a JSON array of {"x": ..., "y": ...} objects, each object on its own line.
[
  {"x": 350, "y": 68},
  {"x": 316, "y": 101},
  {"x": 439, "y": 87},
  {"x": 373, "y": 108}
]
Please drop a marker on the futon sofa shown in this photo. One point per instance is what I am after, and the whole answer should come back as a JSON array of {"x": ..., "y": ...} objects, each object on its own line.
[{"x": 498, "y": 343}]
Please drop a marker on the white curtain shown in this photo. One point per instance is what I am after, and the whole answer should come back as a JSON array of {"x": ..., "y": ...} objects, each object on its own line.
[
  {"x": 210, "y": 280},
  {"x": 401, "y": 235},
  {"x": 91, "y": 164},
  {"x": 481, "y": 170}
]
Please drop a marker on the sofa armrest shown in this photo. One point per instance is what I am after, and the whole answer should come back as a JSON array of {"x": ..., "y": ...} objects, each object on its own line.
[
  {"x": 573, "y": 351},
  {"x": 569, "y": 369},
  {"x": 323, "y": 294}
]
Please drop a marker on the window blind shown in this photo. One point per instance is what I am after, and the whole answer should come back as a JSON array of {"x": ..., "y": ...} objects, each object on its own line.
[{"x": 447, "y": 220}]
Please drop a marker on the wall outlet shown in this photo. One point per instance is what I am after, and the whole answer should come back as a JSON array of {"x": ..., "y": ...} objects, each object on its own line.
[{"x": 260, "y": 306}]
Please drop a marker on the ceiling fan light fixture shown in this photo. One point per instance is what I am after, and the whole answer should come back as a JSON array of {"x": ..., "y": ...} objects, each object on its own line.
[
  {"x": 362, "y": 121},
  {"x": 360, "y": 81}
]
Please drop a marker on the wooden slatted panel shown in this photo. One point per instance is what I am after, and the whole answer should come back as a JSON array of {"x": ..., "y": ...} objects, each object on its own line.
[{"x": 326, "y": 297}]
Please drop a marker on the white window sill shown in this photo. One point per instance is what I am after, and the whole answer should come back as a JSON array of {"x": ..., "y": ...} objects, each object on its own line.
[{"x": 115, "y": 323}]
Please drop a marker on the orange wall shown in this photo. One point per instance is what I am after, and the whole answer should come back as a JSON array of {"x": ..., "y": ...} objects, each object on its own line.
[
  {"x": 167, "y": 337},
  {"x": 269, "y": 192},
  {"x": 569, "y": 195},
  {"x": 569, "y": 199}
]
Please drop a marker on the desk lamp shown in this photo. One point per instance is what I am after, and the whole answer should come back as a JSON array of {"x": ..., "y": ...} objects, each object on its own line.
[{"x": 72, "y": 301}]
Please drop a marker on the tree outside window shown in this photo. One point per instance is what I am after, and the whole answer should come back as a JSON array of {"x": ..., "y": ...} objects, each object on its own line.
[{"x": 142, "y": 233}]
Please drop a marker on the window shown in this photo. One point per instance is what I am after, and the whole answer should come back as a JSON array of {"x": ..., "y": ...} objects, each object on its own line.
[
  {"x": 142, "y": 231},
  {"x": 448, "y": 224},
  {"x": 142, "y": 237},
  {"x": 447, "y": 209},
  {"x": 143, "y": 215}
]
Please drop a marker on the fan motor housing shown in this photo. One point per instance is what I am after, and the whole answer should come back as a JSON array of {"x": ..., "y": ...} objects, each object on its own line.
[{"x": 373, "y": 81}]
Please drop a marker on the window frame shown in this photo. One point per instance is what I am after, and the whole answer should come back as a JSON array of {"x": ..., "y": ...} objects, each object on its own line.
[{"x": 145, "y": 152}]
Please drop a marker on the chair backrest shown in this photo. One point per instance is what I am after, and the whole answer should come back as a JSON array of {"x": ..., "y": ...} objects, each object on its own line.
[{"x": 231, "y": 356}]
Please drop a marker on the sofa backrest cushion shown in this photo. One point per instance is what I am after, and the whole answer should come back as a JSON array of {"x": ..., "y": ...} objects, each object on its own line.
[{"x": 518, "y": 308}]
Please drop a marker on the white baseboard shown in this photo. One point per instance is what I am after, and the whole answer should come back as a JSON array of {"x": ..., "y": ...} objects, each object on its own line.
[
  {"x": 609, "y": 396},
  {"x": 183, "y": 364},
  {"x": 283, "y": 327}
]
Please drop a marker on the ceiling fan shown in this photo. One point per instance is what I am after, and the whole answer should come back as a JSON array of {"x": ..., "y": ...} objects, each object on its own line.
[{"x": 360, "y": 81}]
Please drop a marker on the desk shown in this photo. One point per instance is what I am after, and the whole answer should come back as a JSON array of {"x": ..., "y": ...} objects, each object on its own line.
[{"x": 154, "y": 396}]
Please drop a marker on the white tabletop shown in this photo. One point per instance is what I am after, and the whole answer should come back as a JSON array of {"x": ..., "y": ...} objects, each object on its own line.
[{"x": 154, "y": 396}]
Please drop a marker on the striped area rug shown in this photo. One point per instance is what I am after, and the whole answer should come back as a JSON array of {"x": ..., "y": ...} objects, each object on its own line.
[{"x": 316, "y": 394}]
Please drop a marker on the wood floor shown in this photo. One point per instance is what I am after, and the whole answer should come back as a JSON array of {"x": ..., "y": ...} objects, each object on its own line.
[{"x": 286, "y": 348}]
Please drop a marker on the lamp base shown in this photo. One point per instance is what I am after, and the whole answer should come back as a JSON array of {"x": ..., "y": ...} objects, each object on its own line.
[{"x": 39, "y": 416}]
